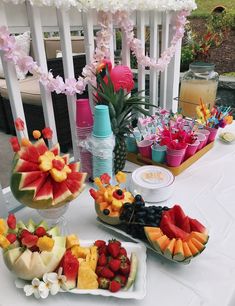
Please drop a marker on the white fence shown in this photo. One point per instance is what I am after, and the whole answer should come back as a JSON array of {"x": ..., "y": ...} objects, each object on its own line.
[{"x": 21, "y": 17}]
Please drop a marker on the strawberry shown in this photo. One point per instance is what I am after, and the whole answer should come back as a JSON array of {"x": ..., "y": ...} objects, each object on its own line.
[
  {"x": 11, "y": 237},
  {"x": 124, "y": 268},
  {"x": 40, "y": 231},
  {"x": 114, "y": 248},
  {"x": 124, "y": 258},
  {"x": 121, "y": 279},
  {"x": 98, "y": 270},
  {"x": 106, "y": 272},
  {"x": 11, "y": 221},
  {"x": 24, "y": 233},
  {"x": 102, "y": 261},
  {"x": 99, "y": 243},
  {"x": 103, "y": 250},
  {"x": 30, "y": 240},
  {"x": 103, "y": 282},
  {"x": 122, "y": 251},
  {"x": 114, "y": 264},
  {"x": 114, "y": 286}
]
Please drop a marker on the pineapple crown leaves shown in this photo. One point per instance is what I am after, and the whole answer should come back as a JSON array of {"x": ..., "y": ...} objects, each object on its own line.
[{"x": 122, "y": 107}]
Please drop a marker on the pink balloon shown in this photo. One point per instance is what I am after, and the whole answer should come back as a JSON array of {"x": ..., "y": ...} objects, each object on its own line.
[{"x": 122, "y": 77}]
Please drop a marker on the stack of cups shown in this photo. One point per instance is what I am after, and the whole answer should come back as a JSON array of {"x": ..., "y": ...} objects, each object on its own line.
[
  {"x": 84, "y": 123},
  {"x": 103, "y": 142}
]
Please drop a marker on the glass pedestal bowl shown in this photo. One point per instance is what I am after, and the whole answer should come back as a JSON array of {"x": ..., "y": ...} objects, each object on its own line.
[{"x": 55, "y": 217}]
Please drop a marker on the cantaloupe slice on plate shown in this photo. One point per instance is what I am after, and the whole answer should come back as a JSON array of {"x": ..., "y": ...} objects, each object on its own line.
[
  {"x": 193, "y": 248},
  {"x": 152, "y": 233},
  {"x": 198, "y": 244},
  {"x": 203, "y": 238},
  {"x": 161, "y": 243},
  {"x": 187, "y": 253},
  {"x": 178, "y": 251},
  {"x": 168, "y": 252}
]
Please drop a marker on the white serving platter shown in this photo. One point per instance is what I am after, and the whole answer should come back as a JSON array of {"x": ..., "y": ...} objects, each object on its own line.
[{"x": 138, "y": 289}]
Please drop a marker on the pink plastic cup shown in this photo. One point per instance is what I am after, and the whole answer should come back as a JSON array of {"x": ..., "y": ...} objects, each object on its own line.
[
  {"x": 191, "y": 149},
  {"x": 213, "y": 133},
  {"x": 144, "y": 147},
  {"x": 206, "y": 133},
  {"x": 84, "y": 116},
  {"x": 174, "y": 157},
  {"x": 202, "y": 140}
]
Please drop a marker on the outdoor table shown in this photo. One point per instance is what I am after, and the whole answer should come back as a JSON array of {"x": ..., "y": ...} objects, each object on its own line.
[{"x": 206, "y": 192}]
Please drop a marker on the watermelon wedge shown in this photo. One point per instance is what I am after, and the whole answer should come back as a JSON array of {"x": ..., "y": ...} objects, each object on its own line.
[
  {"x": 41, "y": 146},
  {"x": 197, "y": 226},
  {"x": 29, "y": 153},
  {"x": 56, "y": 149},
  {"x": 70, "y": 265},
  {"x": 171, "y": 230},
  {"x": 26, "y": 179},
  {"x": 25, "y": 166},
  {"x": 178, "y": 214}
]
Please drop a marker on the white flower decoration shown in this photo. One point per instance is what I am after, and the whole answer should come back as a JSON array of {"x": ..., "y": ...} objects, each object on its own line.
[
  {"x": 34, "y": 288},
  {"x": 56, "y": 281}
]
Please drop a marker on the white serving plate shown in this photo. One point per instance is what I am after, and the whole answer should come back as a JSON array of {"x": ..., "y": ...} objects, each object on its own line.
[
  {"x": 138, "y": 289},
  {"x": 146, "y": 244},
  {"x": 154, "y": 183}
]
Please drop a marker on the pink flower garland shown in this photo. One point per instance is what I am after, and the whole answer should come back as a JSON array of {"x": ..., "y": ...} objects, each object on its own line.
[
  {"x": 13, "y": 53},
  {"x": 125, "y": 23}
]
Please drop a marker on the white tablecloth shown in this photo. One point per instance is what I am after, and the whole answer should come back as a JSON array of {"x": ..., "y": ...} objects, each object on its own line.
[{"x": 206, "y": 191}]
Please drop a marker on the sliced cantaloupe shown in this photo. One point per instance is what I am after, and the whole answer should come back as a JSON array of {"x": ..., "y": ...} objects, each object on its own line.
[
  {"x": 152, "y": 234},
  {"x": 168, "y": 252},
  {"x": 160, "y": 243},
  {"x": 179, "y": 251},
  {"x": 198, "y": 244},
  {"x": 203, "y": 238},
  {"x": 187, "y": 253},
  {"x": 193, "y": 248}
]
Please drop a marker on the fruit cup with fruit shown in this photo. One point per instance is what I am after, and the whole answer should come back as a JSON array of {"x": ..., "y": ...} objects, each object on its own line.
[
  {"x": 41, "y": 178},
  {"x": 109, "y": 199},
  {"x": 29, "y": 249}
]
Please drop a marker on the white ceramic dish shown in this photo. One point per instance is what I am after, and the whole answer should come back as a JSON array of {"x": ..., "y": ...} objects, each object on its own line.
[
  {"x": 138, "y": 289},
  {"x": 155, "y": 184},
  {"x": 227, "y": 137}
]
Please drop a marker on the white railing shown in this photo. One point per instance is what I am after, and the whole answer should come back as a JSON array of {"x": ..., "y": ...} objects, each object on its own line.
[{"x": 21, "y": 17}]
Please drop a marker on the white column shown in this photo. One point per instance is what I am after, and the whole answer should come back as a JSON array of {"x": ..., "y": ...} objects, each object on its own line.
[
  {"x": 87, "y": 21},
  {"x": 165, "y": 43},
  {"x": 173, "y": 73},
  {"x": 65, "y": 39},
  {"x": 12, "y": 83},
  {"x": 141, "y": 36},
  {"x": 154, "y": 49},
  {"x": 40, "y": 56}
]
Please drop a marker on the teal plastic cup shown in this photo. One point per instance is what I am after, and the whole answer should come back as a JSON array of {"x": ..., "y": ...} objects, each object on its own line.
[
  {"x": 102, "y": 124},
  {"x": 131, "y": 144},
  {"x": 159, "y": 153}
]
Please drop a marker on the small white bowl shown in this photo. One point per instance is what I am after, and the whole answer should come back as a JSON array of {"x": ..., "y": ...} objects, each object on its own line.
[{"x": 154, "y": 183}]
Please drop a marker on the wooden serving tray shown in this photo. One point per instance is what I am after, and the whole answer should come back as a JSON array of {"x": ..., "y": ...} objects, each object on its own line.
[{"x": 140, "y": 160}]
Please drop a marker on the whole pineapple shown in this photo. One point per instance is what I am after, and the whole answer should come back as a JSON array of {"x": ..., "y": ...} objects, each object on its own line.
[{"x": 123, "y": 108}]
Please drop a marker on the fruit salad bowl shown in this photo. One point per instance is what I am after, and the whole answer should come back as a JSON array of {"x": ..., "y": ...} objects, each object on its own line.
[
  {"x": 38, "y": 254},
  {"x": 31, "y": 250}
]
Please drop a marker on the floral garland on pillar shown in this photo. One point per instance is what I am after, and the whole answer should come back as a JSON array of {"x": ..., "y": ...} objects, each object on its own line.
[{"x": 71, "y": 86}]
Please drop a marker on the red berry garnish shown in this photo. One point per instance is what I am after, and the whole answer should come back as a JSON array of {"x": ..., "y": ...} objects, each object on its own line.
[
  {"x": 11, "y": 237},
  {"x": 30, "y": 240},
  {"x": 40, "y": 231},
  {"x": 11, "y": 221},
  {"x": 114, "y": 286}
]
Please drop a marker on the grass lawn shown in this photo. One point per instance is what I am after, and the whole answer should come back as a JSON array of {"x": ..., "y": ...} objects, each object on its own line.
[{"x": 206, "y": 6}]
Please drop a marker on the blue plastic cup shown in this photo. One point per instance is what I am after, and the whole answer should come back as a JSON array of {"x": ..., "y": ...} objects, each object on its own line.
[
  {"x": 159, "y": 153},
  {"x": 131, "y": 144},
  {"x": 102, "y": 124}
]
